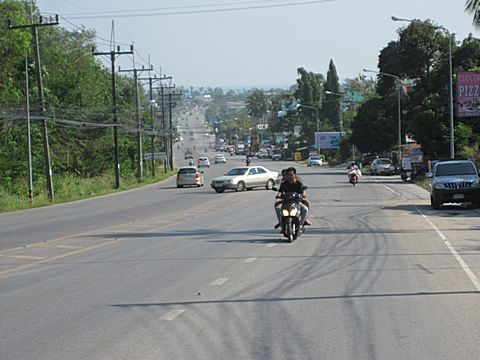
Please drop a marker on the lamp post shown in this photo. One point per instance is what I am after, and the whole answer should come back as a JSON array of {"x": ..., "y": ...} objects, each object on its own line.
[
  {"x": 397, "y": 79},
  {"x": 452, "y": 134},
  {"x": 339, "y": 95},
  {"x": 316, "y": 117}
]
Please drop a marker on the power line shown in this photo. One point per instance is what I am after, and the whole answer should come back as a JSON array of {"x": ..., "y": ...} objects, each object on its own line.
[
  {"x": 171, "y": 7},
  {"x": 189, "y": 12}
]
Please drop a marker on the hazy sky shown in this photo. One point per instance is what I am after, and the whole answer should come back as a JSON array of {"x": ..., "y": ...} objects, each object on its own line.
[{"x": 260, "y": 46}]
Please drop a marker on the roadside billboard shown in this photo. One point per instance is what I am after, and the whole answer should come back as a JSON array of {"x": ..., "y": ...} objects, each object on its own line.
[
  {"x": 468, "y": 93},
  {"x": 328, "y": 140}
]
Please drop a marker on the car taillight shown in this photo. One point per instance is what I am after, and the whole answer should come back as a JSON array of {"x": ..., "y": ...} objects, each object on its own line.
[{"x": 197, "y": 175}]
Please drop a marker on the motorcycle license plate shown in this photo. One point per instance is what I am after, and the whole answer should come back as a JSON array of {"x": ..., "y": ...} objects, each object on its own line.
[{"x": 458, "y": 196}]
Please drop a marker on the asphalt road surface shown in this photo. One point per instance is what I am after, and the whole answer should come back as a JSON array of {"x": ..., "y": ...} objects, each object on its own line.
[{"x": 167, "y": 273}]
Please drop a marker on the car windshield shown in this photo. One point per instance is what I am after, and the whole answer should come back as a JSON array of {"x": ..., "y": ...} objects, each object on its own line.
[
  {"x": 237, "y": 171},
  {"x": 455, "y": 169},
  {"x": 187, "y": 171},
  {"x": 384, "y": 162},
  {"x": 314, "y": 158}
]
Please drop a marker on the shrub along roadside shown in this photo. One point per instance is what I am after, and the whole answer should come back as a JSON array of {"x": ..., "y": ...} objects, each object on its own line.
[{"x": 69, "y": 188}]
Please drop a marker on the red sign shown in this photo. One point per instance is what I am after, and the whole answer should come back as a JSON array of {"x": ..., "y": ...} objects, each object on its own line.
[{"x": 468, "y": 93}]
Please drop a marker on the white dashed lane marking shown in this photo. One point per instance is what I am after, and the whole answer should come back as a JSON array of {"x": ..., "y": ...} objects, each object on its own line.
[
  {"x": 250, "y": 260},
  {"x": 271, "y": 245},
  {"x": 171, "y": 315},
  {"x": 219, "y": 282}
]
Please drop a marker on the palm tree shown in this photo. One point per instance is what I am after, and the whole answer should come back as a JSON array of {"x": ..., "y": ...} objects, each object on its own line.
[
  {"x": 257, "y": 104},
  {"x": 473, "y": 7}
]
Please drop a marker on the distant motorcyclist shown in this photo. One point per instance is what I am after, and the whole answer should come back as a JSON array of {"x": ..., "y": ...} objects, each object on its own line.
[
  {"x": 353, "y": 169},
  {"x": 248, "y": 160},
  {"x": 352, "y": 166},
  {"x": 292, "y": 184}
]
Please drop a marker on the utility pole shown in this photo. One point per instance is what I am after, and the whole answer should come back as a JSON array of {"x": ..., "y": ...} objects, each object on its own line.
[
  {"x": 138, "y": 120},
  {"x": 166, "y": 132},
  {"x": 152, "y": 106},
  {"x": 113, "y": 54},
  {"x": 46, "y": 148},
  {"x": 170, "y": 127}
]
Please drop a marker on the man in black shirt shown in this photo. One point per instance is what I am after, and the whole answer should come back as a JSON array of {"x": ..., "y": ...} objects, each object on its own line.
[{"x": 292, "y": 184}]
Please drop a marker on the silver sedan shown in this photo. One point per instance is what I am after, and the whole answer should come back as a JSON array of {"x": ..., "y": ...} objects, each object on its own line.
[{"x": 245, "y": 178}]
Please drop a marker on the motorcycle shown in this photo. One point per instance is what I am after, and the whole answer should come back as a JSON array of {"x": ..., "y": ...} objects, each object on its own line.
[
  {"x": 353, "y": 177},
  {"x": 290, "y": 210},
  {"x": 353, "y": 174}
]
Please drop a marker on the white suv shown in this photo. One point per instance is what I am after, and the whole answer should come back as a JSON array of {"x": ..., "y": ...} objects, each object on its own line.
[
  {"x": 454, "y": 181},
  {"x": 203, "y": 161}
]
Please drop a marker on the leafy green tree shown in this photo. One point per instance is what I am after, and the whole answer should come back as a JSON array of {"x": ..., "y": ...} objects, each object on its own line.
[
  {"x": 356, "y": 91},
  {"x": 14, "y": 45},
  {"x": 257, "y": 104},
  {"x": 420, "y": 53},
  {"x": 473, "y": 7},
  {"x": 371, "y": 129},
  {"x": 332, "y": 104},
  {"x": 309, "y": 91}
]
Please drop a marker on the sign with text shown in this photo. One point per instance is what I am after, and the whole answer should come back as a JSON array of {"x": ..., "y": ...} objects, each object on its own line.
[
  {"x": 156, "y": 156},
  {"x": 468, "y": 93},
  {"x": 328, "y": 140}
]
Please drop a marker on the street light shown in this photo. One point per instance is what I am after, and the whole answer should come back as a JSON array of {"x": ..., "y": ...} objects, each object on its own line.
[
  {"x": 439, "y": 27},
  {"x": 397, "y": 79},
  {"x": 316, "y": 117},
  {"x": 339, "y": 95},
  {"x": 316, "y": 113}
]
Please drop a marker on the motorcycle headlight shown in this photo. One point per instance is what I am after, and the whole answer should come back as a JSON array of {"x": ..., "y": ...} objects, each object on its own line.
[
  {"x": 285, "y": 212},
  {"x": 293, "y": 212}
]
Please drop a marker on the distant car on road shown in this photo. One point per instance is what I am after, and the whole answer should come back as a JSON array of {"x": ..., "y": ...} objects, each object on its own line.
[
  {"x": 188, "y": 155},
  {"x": 455, "y": 181},
  {"x": 262, "y": 154},
  {"x": 314, "y": 161},
  {"x": 203, "y": 161},
  {"x": 220, "y": 158},
  {"x": 245, "y": 178},
  {"x": 382, "y": 166},
  {"x": 189, "y": 176},
  {"x": 276, "y": 155}
]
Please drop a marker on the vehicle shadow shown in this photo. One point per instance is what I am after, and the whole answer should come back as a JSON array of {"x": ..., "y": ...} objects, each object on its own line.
[
  {"x": 447, "y": 210},
  {"x": 211, "y": 236},
  {"x": 273, "y": 300}
]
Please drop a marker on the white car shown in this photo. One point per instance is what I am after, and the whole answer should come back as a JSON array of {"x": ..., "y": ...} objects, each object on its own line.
[
  {"x": 203, "y": 161},
  {"x": 245, "y": 178},
  {"x": 382, "y": 166},
  {"x": 220, "y": 158},
  {"x": 314, "y": 161},
  {"x": 189, "y": 175}
]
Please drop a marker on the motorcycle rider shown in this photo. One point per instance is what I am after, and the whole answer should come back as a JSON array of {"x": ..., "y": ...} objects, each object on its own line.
[
  {"x": 292, "y": 184},
  {"x": 353, "y": 169}
]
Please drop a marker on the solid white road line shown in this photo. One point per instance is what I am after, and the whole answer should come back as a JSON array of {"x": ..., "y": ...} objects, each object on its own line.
[
  {"x": 473, "y": 278},
  {"x": 171, "y": 315},
  {"x": 219, "y": 282},
  {"x": 454, "y": 252}
]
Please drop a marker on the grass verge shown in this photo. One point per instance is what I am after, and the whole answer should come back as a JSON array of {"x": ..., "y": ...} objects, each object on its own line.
[{"x": 70, "y": 188}]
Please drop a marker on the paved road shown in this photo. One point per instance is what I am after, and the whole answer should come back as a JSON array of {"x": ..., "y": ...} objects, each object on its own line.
[{"x": 167, "y": 273}]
